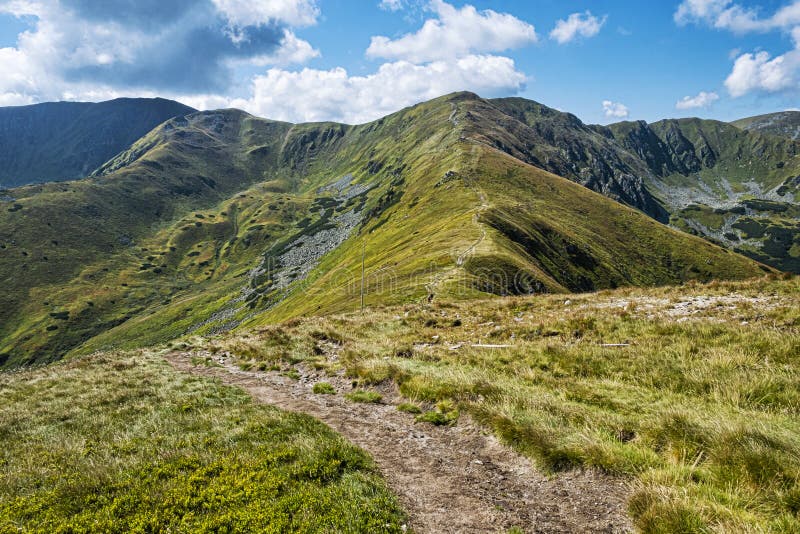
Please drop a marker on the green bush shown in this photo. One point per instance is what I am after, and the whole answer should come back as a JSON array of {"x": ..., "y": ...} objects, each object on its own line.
[
  {"x": 445, "y": 414},
  {"x": 364, "y": 396},
  {"x": 324, "y": 388},
  {"x": 409, "y": 408}
]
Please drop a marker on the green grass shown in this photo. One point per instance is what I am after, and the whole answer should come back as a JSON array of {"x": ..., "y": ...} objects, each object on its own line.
[
  {"x": 445, "y": 414},
  {"x": 364, "y": 396},
  {"x": 409, "y": 407},
  {"x": 68, "y": 140},
  {"x": 436, "y": 418},
  {"x": 324, "y": 388},
  {"x": 696, "y": 403},
  {"x": 120, "y": 442},
  {"x": 294, "y": 374}
]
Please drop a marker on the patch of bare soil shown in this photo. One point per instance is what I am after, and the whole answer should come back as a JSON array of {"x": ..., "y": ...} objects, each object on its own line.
[{"x": 449, "y": 479}]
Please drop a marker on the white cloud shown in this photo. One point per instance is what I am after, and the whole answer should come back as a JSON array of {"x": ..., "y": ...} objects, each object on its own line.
[
  {"x": 254, "y": 12},
  {"x": 701, "y": 100},
  {"x": 391, "y": 5},
  {"x": 291, "y": 51},
  {"x": 615, "y": 110},
  {"x": 79, "y": 49},
  {"x": 728, "y": 15},
  {"x": 455, "y": 33},
  {"x": 15, "y": 99},
  {"x": 577, "y": 25},
  {"x": 760, "y": 72},
  {"x": 316, "y": 95},
  {"x": 62, "y": 42}
]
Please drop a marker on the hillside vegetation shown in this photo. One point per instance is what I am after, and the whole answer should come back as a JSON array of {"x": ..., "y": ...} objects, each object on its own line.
[
  {"x": 738, "y": 188},
  {"x": 783, "y": 124},
  {"x": 219, "y": 219},
  {"x": 120, "y": 442},
  {"x": 690, "y": 391}
]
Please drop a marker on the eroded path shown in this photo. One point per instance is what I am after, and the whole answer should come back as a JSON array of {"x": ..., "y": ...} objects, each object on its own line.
[{"x": 449, "y": 479}]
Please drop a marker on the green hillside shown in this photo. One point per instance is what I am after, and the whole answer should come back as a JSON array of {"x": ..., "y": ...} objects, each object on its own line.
[
  {"x": 121, "y": 442},
  {"x": 737, "y": 188},
  {"x": 69, "y": 140},
  {"x": 734, "y": 187},
  {"x": 221, "y": 219},
  {"x": 688, "y": 392},
  {"x": 783, "y": 124}
]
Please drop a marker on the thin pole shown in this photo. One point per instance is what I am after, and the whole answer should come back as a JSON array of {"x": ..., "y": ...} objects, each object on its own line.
[{"x": 363, "y": 254}]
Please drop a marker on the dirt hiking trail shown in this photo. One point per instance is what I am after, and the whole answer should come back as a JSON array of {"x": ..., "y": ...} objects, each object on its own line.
[{"x": 448, "y": 479}]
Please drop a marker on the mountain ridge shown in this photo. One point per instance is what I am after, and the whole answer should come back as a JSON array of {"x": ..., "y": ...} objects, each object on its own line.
[
  {"x": 56, "y": 141},
  {"x": 782, "y": 123},
  {"x": 218, "y": 220}
]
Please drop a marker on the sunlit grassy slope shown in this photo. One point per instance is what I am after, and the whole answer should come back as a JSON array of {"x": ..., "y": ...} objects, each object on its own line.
[
  {"x": 471, "y": 221},
  {"x": 691, "y": 391},
  {"x": 164, "y": 239},
  {"x": 121, "y": 442},
  {"x": 783, "y": 124}
]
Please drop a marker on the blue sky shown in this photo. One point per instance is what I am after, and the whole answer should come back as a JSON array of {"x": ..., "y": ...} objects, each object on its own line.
[{"x": 353, "y": 61}]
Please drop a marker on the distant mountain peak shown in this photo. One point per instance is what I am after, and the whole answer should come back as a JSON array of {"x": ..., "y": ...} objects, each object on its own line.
[{"x": 56, "y": 141}]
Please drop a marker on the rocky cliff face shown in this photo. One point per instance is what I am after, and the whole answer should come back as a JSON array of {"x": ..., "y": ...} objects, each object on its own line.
[
  {"x": 560, "y": 143},
  {"x": 700, "y": 176}
]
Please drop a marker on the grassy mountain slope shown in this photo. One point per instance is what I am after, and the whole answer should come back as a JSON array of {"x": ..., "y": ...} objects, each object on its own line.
[
  {"x": 121, "y": 442},
  {"x": 220, "y": 219},
  {"x": 68, "y": 140},
  {"x": 783, "y": 124},
  {"x": 734, "y": 187},
  {"x": 690, "y": 391},
  {"x": 78, "y": 237},
  {"x": 560, "y": 143}
]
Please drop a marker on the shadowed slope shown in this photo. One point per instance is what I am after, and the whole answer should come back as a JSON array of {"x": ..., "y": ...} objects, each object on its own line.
[{"x": 68, "y": 140}]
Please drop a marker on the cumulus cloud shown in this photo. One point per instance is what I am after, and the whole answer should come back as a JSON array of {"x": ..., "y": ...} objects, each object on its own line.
[
  {"x": 189, "y": 49},
  {"x": 700, "y": 100},
  {"x": 455, "y": 33},
  {"x": 316, "y": 95},
  {"x": 450, "y": 52},
  {"x": 144, "y": 45},
  {"x": 577, "y": 25},
  {"x": 760, "y": 72},
  {"x": 615, "y": 110},
  {"x": 757, "y": 71},
  {"x": 255, "y": 12}
]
